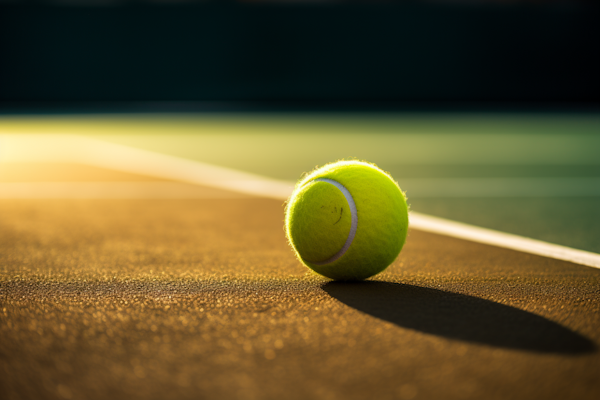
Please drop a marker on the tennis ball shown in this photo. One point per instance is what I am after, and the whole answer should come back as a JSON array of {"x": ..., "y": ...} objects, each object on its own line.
[{"x": 347, "y": 220}]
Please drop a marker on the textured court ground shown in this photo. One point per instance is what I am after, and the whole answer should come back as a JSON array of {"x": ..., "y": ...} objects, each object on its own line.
[{"x": 168, "y": 299}]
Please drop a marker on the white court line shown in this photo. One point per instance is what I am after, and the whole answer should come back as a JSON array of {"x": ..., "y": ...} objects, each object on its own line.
[
  {"x": 78, "y": 149},
  {"x": 447, "y": 227},
  {"x": 67, "y": 148}
]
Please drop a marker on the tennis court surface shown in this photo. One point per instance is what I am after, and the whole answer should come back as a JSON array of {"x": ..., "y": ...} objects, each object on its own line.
[{"x": 144, "y": 257}]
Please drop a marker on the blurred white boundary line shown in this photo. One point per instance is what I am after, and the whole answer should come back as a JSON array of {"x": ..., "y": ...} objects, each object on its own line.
[
  {"x": 67, "y": 148},
  {"x": 78, "y": 149}
]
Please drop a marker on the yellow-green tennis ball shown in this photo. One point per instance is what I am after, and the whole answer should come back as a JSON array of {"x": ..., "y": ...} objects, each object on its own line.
[{"x": 347, "y": 220}]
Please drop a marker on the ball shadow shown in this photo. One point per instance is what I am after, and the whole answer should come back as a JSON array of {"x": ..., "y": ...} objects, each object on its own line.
[{"x": 459, "y": 316}]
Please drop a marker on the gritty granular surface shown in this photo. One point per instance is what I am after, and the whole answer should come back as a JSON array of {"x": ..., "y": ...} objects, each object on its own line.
[{"x": 203, "y": 299}]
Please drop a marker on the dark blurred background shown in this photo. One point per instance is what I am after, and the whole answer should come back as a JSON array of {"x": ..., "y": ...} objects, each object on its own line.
[{"x": 300, "y": 52}]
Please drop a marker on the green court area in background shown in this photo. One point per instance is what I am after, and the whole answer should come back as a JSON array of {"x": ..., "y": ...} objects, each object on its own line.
[
  {"x": 408, "y": 146},
  {"x": 284, "y": 146}
]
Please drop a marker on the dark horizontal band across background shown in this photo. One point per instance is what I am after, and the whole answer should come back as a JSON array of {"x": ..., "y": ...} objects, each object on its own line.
[{"x": 411, "y": 52}]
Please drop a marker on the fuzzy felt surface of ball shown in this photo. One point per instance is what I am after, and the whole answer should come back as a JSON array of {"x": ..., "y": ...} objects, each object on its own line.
[{"x": 347, "y": 220}]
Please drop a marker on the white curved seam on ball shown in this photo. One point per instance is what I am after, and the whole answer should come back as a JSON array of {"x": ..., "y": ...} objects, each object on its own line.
[{"x": 354, "y": 219}]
